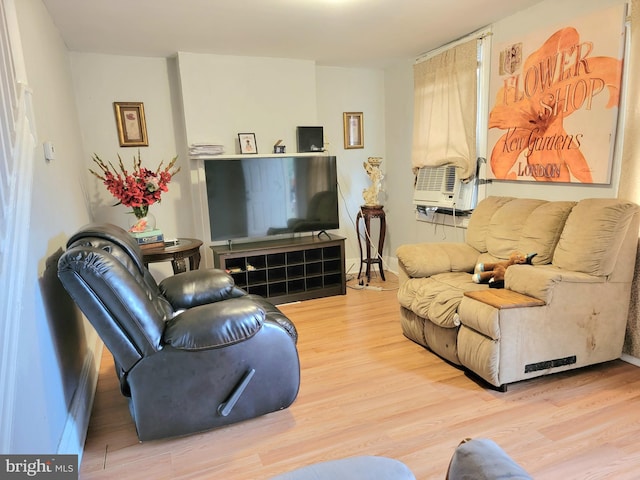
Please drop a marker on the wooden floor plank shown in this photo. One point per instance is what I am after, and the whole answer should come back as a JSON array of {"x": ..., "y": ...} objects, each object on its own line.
[{"x": 367, "y": 390}]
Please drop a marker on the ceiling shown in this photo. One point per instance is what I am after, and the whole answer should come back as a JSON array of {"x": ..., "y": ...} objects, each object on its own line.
[{"x": 356, "y": 33}]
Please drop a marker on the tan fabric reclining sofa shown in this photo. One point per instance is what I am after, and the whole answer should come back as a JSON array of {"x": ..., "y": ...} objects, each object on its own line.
[{"x": 582, "y": 273}]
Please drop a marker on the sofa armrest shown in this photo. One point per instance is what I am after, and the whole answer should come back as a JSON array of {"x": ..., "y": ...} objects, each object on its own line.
[
  {"x": 427, "y": 259},
  {"x": 538, "y": 281},
  {"x": 199, "y": 287},
  {"x": 215, "y": 325}
]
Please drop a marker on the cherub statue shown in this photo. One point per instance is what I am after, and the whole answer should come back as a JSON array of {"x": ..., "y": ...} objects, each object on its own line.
[{"x": 370, "y": 194}]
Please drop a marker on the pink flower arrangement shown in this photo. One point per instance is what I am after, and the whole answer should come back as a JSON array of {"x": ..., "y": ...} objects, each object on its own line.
[{"x": 139, "y": 188}]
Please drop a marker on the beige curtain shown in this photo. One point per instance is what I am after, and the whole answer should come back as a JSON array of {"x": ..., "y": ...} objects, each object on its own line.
[
  {"x": 445, "y": 98},
  {"x": 629, "y": 188}
]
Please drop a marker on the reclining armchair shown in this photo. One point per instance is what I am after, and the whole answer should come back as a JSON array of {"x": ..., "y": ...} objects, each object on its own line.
[{"x": 192, "y": 353}]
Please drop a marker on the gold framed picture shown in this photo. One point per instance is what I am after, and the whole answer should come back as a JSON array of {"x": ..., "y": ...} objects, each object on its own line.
[
  {"x": 353, "y": 129},
  {"x": 132, "y": 127}
]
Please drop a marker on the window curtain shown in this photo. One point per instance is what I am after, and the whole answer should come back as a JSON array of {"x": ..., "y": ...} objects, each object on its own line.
[
  {"x": 445, "y": 99},
  {"x": 629, "y": 187}
]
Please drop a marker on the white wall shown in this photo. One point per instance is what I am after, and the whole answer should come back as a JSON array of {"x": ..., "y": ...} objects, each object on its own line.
[
  {"x": 212, "y": 98},
  {"x": 518, "y": 25},
  {"x": 403, "y": 228},
  {"x": 352, "y": 90},
  {"x": 224, "y": 95},
  {"x": 100, "y": 80},
  {"x": 401, "y": 223},
  {"x": 56, "y": 350}
]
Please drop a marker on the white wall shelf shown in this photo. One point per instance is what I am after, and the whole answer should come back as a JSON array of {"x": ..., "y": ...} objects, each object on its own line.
[{"x": 225, "y": 156}]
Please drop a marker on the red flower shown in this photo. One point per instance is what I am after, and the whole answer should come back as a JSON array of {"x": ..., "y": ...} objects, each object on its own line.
[{"x": 141, "y": 187}]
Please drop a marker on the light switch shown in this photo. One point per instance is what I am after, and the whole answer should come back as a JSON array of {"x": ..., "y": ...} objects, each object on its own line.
[{"x": 49, "y": 151}]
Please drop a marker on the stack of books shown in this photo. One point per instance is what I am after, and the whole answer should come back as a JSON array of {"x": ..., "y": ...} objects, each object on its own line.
[
  {"x": 149, "y": 239},
  {"x": 197, "y": 150}
]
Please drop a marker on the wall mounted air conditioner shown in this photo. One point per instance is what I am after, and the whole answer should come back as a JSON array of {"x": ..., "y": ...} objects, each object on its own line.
[{"x": 442, "y": 189}]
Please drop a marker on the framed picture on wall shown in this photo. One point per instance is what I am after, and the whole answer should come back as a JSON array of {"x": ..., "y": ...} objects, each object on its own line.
[
  {"x": 247, "y": 143},
  {"x": 132, "y": 126},
  {"x": 353, "y": 130},
  {"x": 556, "y": 93}
]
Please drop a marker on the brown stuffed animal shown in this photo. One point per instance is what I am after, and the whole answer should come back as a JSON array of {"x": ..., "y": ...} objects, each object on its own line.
[{"x": 493, "y": 273}]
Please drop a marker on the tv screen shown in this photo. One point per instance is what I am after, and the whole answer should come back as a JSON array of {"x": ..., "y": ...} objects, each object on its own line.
[{"x": 263, "y": 196}]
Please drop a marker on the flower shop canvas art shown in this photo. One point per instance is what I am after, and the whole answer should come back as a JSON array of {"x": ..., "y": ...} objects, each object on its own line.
[{"x": 555, "y": 97}]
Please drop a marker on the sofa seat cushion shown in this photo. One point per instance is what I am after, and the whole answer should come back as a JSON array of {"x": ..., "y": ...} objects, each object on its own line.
[{"x": 437, "y": 298}]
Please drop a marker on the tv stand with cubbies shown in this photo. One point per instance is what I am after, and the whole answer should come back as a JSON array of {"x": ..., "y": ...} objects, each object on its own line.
[{"x": 286, "y": 270}]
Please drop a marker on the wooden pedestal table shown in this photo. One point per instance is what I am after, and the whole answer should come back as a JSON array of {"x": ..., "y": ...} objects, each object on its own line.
[
  {"x": 366, "y": 213},
  {"x": 187, "y": 248}
]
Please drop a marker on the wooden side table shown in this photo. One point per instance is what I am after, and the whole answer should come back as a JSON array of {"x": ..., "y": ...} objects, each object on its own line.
[
  {"x": 367, "y": 212},
  {"x": 187, "y": 248}
]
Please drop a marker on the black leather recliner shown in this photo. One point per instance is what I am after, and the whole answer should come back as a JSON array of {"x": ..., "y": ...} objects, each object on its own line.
[{"x": 192, "y": 353}]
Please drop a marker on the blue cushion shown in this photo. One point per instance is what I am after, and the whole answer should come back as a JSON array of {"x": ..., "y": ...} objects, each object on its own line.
[
  {"x": 483, "y": 459},
  {"x": 354, "y": 468}
]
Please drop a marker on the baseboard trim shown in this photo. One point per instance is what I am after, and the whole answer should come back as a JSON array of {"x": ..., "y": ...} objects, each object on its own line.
[
  {"x": 629, "y": 359},
  {"x": 77, "y": 423},
  {"x": 352, "y": 266}
]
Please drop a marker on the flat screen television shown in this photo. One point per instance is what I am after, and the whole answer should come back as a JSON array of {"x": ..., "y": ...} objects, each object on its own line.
[{"x": 258, "y": 197}]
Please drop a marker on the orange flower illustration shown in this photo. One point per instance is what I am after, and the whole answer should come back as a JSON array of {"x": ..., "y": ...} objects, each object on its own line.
[{"x": 557, "y": 79}]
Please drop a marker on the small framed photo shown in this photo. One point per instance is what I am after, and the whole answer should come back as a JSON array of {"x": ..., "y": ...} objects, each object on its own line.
[
  {"x": 247, "y": 143},
  {"x": 353, "y": 130},
  {"x": 132, "y": 127}
]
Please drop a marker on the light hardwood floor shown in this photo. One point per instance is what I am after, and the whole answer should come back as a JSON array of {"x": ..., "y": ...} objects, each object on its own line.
[{"x": 367, "y": 390}]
